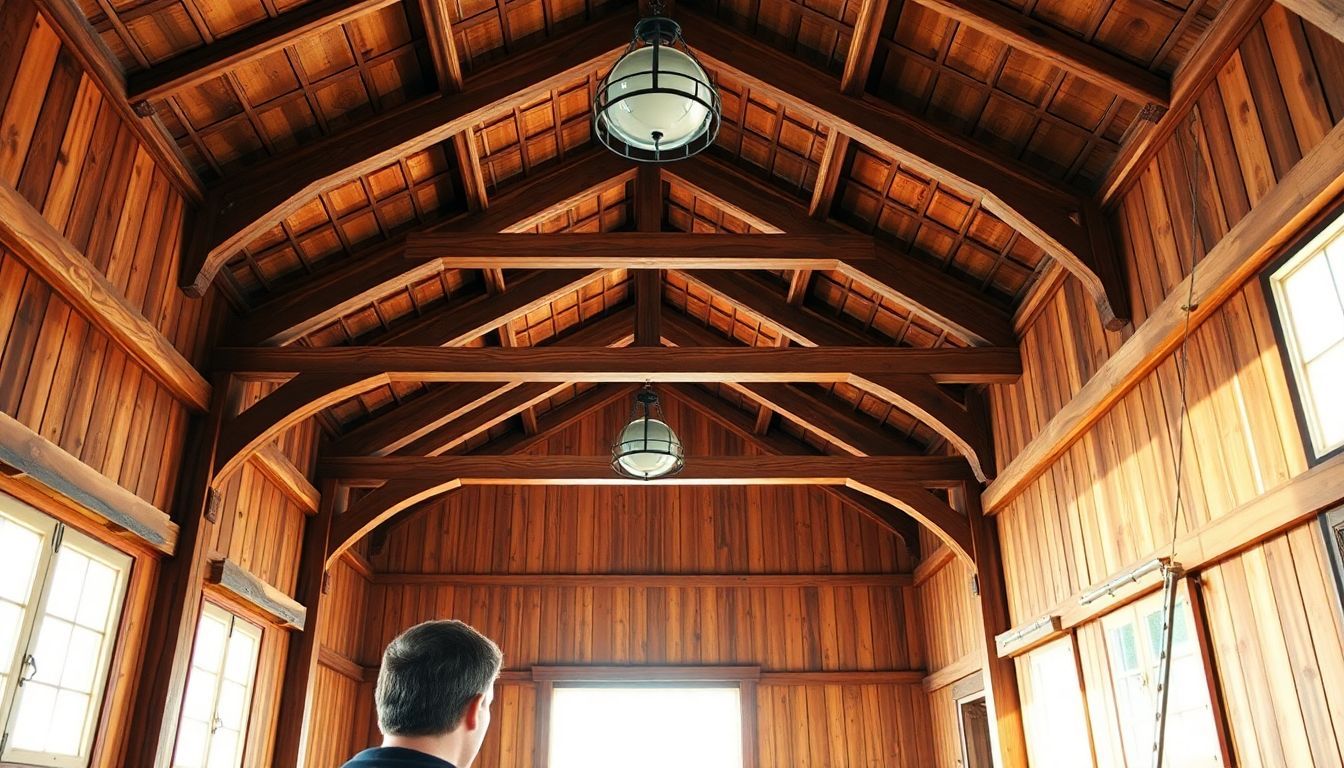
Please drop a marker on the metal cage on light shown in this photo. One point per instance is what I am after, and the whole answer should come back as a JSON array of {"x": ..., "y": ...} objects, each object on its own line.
[
  {"x": 657, "y": 103},
  {"x": 647, "y": 448}
]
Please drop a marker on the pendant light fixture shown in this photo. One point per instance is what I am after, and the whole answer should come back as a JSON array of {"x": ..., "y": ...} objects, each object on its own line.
[
  {"x": 657, "y": 103},
  {"x": 647, "y": 447}
]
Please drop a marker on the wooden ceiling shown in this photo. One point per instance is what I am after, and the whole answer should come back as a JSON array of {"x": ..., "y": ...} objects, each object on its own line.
[{"x": 967, "y": 139}]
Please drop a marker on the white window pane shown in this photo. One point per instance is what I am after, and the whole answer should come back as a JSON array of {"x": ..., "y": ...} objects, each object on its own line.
[
  {"x": 232, "y": 707},
  {"x": 11, "y": 617},
  {"x": 67, "y": 723},
  {"x": 199, "y": 701},
  {"x": 81, "y": 663},
  {"x": 210, "y": 639},
  {"x": 648, "y": 727},
  {"x": 1313, "y": 306},
  {"x": 20, "y": 548},
  {"x": 1325, "y": 382},
  {"x": 191, "y": 744},
  {"x": 100, "y": 582},
  {"x": 32, "y": 716},
  {"x": 51, "y": 649},
  {"x": 241, "y": 664},
  {"x": 67, "y": 584},
  {"x": 224, "y": 749}
]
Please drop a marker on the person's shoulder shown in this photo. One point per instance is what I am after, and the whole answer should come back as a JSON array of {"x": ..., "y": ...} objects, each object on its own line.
[{"x": 395, "y": 757}]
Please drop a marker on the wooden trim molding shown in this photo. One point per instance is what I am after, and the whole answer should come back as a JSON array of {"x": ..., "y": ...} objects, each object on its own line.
[
  {"x": 1303, "y": 193},
  {"x": 243, "y": 585},
  {"x": 932, "y": 564},
  {"x": 970, "y": 664},
  {"x": 291, "y": 481},
  {"x": 27, "y": 454},
  {"x": 56, "y": 260}
]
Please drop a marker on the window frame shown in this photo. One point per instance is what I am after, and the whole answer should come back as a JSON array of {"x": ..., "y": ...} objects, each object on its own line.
[
  {"x": 743, "y": 678},
  {"x": 1282, "y": 337},
  {"x": 234, "y": 619},
  {"x": 56, "y": 536}
]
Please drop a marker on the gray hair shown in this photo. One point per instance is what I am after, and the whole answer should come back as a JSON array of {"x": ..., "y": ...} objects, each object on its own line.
[{"x": 430, "y": 674}]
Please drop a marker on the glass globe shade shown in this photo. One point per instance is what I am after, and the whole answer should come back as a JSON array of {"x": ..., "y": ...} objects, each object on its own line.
[
  {"x": 677, "y": 118},
  {"x": 648, "y": 448}
]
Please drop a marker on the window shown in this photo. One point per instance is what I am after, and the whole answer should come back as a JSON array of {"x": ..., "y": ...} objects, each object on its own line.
[
  {"x": 219, "y": 691},
  {"x": 613, "y": 726},
  {"x": 1055, "y": 718},
  {"x": 1308, "y": 291},
  {"x": 60, "y": 604},
  {"x": 1134, "y": 646}
]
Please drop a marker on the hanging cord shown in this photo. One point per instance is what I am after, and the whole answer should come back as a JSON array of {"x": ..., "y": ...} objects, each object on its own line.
[{"x": 1171, "y": 571}]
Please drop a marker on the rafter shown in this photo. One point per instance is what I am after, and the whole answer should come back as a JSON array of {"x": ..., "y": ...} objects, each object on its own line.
[
  {"x": 639, "y": 250},
  {"x": 1064, "y": 222},
  {"x": 295, "y": 399},
  {"x": 977, "y": 365},
  {"x": 837, "y": 425},
  {"x": 442, "y": 47},
  {"x": 1062, "y": 49},
  {"x": 862, "y": 45},
  {"x": 648, "y": 282},
  {"x": 251, "y": 202},
  {"x": 368, "y": 276},
  {"x": 899, "y": 481},
  {"x": 919, "y": 395},
  {"x": 894, "y": 276},
  {"x": 251, "y": 43},
  {"x": 435, "y": 417}
]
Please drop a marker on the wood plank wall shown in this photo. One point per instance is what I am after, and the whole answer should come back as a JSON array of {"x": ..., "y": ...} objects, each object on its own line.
[
  {"x": 678, "y": 530},
  {"x": 69, "y": 153},
  {"x": 73, "y": 158},
  {"x": 1107, "y": 501},
  {"x": 342, "y": 696},
  {"x": 950, "y": 615}
]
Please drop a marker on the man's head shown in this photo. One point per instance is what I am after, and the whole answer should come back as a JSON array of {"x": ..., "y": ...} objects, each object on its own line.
[{"x": 437, "y": 681}]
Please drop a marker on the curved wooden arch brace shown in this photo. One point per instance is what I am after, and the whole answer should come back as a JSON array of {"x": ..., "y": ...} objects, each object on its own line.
[
  {"x": 394, "y": 496},
  {"x": 919, "y": 396},
  {"x": 950, "y": 526},
  {"x": 251, "y": 202},
  {"x": 299, "y": 398}
]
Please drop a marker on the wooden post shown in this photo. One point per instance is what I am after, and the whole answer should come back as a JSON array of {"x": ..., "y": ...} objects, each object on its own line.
[
  {"x": 296, "y": 687},
  {"x": 1005, "y": 706},
  {"x": 177, "y": 604}
]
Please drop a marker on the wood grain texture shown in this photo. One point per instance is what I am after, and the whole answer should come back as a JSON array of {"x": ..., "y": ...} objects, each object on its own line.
[{"x": 229, "y": 576}]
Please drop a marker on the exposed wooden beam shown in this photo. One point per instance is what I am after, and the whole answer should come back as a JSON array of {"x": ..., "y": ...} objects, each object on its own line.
[
  {"x": 442, "y": 45},
  {"x": 1062, "y": 49},
  {"x": 976, "y": 365},
  {"x": 56, "y": 261},
  {"x": 962, "y": 425},
  {"x": 780, "y": 444},
  {"x": 370, "y": 275},
  {"x": 1300, "y": 196},
  {"x": 253, "y": 201},
  {"x": 638, "y": 250},
  {"x": 648, "y": 580},
  {"x": 53, "y": 470},
  {"x": 293, "y": 401},
  {"x": 557, "y": 419},
  {"x": 417, "y": 479},
  {"x": 828, "y": 176},
  {"x": 895, "y": 276},
  {"x": 288, "y": 478},
  {"x": 1066, "y": 223},
  {"x": 513, "y": 402},
  {"x": 1327, "y": 15},
  {"x": 648, "y": 282},
  {"x": 422, "y": 421},
  {"x": 862, "y": 45},
  {"x": 238, "y": 582},
  {"x": 210, "y": 61},
  {"x": 102, "y": 67},
  {"x": 1192, "y": 77}
]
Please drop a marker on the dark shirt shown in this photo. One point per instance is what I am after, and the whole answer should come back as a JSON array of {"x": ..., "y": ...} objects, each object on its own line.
[{"x": 395, "y": 757}]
